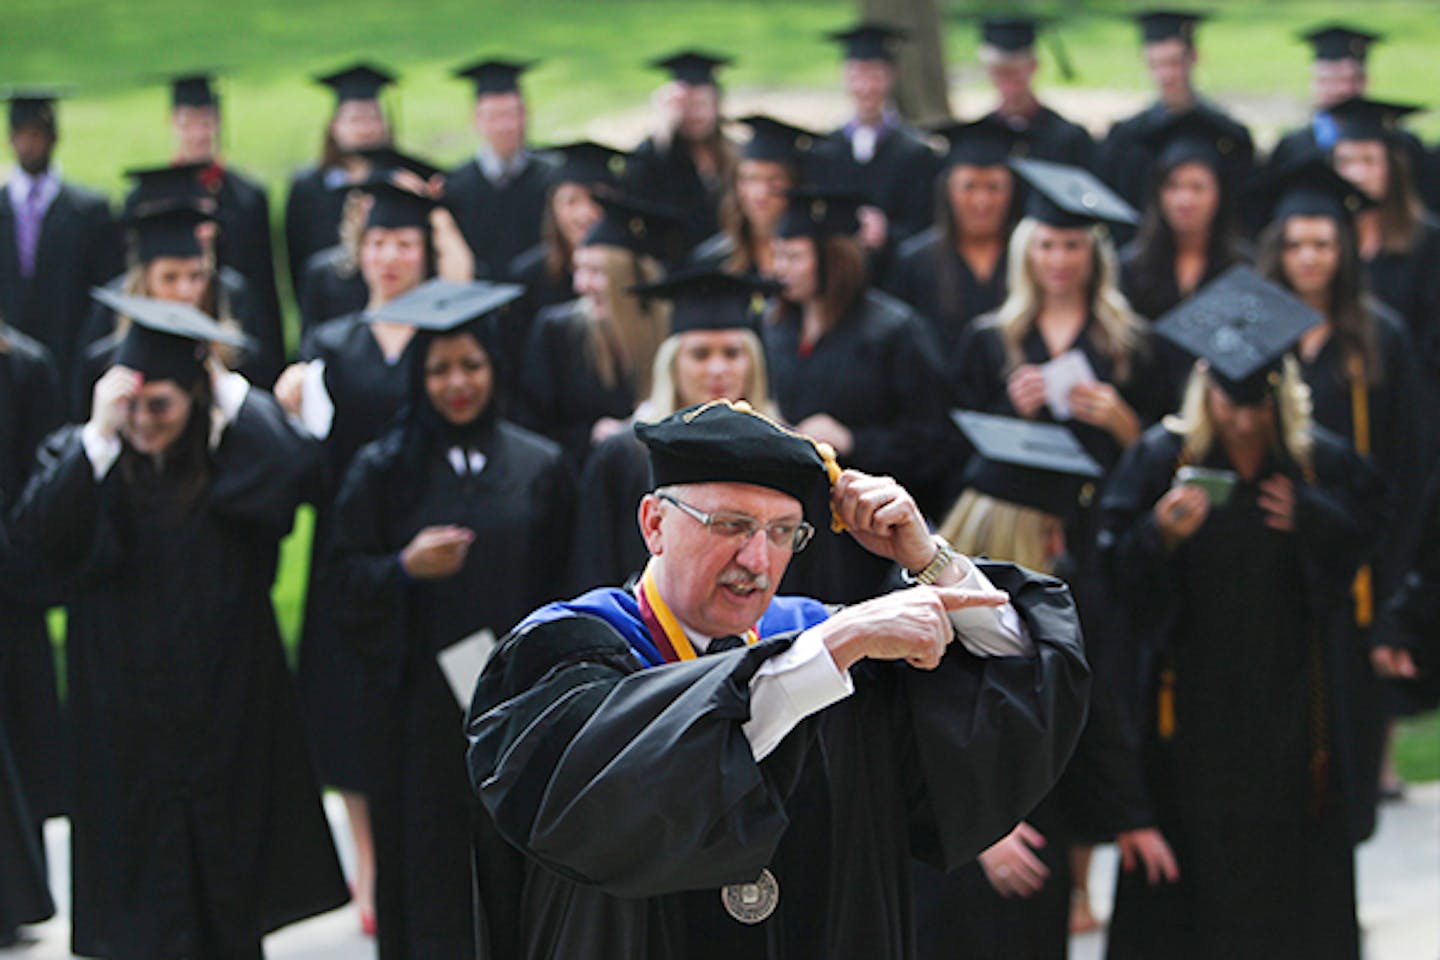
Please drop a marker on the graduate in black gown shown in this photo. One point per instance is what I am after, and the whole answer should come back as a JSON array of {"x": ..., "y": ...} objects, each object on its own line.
[
  {"x": 24, "y": 894},
  {"x": 954, "y": 271},
  {"x": 688, "y": 161},
  {"x": 444, "y": 526},
  {"x": 712, "y": 353},
  {"x": 1399, "y": 239},
  {"x": 498, "y": 196},
  {"x": 30, "y": 713},
  {"x": 57, "y": 240},
  {"x": 588, "y": 361},
  {"x": 878, "y": 155},
  {"x": 1406, "y": 639},
  {"x": 172, "y": 251},
  {"x": 1189, "y": 232},
  {"x": 1007, "y": 52},
  {"x": 1127, "y": 158},
  {"x": 1015, "y": 901},
  {"x": 668, "y": 805},
  {"x": 352, "y": 380},
  {"x": 1254, "y": 764},
  {"x": 315, "y": 202},
  {"x": 196, "y": 826},
  {"x": 852, "y": 367}
]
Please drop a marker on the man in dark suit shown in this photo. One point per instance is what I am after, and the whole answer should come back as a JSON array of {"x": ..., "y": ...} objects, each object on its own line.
[
  {"x": 57, "y": 240},
  {"x": 498, "y": 196}
]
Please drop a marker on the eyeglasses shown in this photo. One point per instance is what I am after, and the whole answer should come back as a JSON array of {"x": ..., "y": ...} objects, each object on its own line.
[{"x": 791, "y": 535}]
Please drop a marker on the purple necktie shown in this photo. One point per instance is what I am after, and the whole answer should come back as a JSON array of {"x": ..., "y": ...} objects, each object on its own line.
[{"x": 27, "y": 228}]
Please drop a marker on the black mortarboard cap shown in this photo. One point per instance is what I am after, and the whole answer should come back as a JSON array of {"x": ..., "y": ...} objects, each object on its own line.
[
  {"x": 1195, "y": 136},
  {"x": 494, "y": 76},
  {"x": 1037, "y": 465},
  {"x": 1242, "y": 325},
  {"x": 1011, "y": 34},
  {"x": 193, "y": 90},
  {"x": 387, "y": 159},
  {"x": 359, "y": 81},
  {"x": 1362, "y": 119},
  {"x": 440, "y": 306},
  {"x": 172, "y": 183},
  {"x": 776, "y": 141},
  {"x": 725, "y": 442},
  {"x": 167, "y": 229},
  {"x": 987, "y": 142},
  {"x": 1310, "y": 187},
  {"x": 587, "y": 162},
  {"x": 708, "y": 299},
  {"x": 868, "y": 40},
  {"x": 821, "y": 211},
  {"x": 1338, "y": 42},
  {"x": 695, "y": 67},
  {"x": 33, "y": 106},
  {"x": 168, "y": 340},
  {"x": 1067, "y": 196},
  {"x": 394, "y": 207},
  {"x": 1158, "y": 25},
  {"x": 637, "y": 224}
]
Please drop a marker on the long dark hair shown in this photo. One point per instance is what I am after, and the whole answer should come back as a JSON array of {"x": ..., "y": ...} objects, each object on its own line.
[
  {"x": 950, "y": 292},
  {"x": 1155, "y": 241},
  {"x": 186, "y": 461},
  {"x": 1351, "y": 320},
  {"x": 841, "y": 275},
  {"x": 735, "y": 225}
]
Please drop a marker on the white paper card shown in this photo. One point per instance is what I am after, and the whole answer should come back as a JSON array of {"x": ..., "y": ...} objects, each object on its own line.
[
  {"x": 1063, "y": 374},
  {"x": 462, "y": 662},
  {"x": 317, "y": 410}
]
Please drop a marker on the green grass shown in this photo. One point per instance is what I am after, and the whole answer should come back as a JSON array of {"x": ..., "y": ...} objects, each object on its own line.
[{"x": 1417, "y": 748}]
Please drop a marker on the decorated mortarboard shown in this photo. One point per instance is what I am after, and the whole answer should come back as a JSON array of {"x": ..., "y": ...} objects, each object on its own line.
[
  {"x": 494, "y": 76},
  {"x": 440, "y": 306},
  {"x": 987, "y": 142},
  {"x": 1337, "y": 41},
  {"x": 636, "y": 224},
  {"x": 589, "y": 163},
  {"x": 1037, "y": 465},
  {"x": 1359, "y": 118},
  {"x": 708, "y": 299},
  {"x": 167, "y": 229},
  {"x": 167, "y": 340},
  {"x": 359, "y": 81},
  {"x": 394, "y": 206},
  {"x": 1012, "y": 34},
  {"x": 868, "y": 40},
  {"x": 173, "y": 182},
  {"x": 1157, "y": 26},
  {"x": 730, "y": 442},
  {"x": 193, "y": 90},
  {"x": 33, "y": 106},
  {"x": 1310, "y": 187},
  {"x": 1067, "y": 196},
  {"x": 1195, "y": 136},
  {"x": 387, "y": 159},
  {"x": 820, "y": 212},
  {"x": 1242, "y": 325},
  {"x": 776, "y": 141},
  {"x": 694, "y": 67}
]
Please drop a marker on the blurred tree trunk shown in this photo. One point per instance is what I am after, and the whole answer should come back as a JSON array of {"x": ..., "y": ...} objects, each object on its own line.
[{"x": 922, "y": 90}]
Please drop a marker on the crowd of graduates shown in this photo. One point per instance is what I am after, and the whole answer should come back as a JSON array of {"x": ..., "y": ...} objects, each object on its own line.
[{"x": 1233, "y": 362}]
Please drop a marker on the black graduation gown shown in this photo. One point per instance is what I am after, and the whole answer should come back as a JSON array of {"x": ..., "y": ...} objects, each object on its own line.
[
  {"x": 930, "y": 276},
  {"x": 30, "y": 712},
  {"x": 312, "y": 222},
  {"x": 899, "y": 178},
  {"x": 608, "y": 548},
  {"x": 196, "y": 824},
  {"x": 542, "y": 290},
  {"x": 1411, "y": 620},
  {"x": 79, "y": 248},
  {"x": 1409, "y": 284},
  {"x": 367, "y": 393},
  {"x": 333, "y": 287},
  {"x": 1300, "y": 143},
  {"x": 876, "y": 373},
  {"x": 1257, "y": 627},
  {"x": 634, "y": 795},
  {"x": 498, "y": 222},
  {"x": 669, "y": 175},
  {"x": 1049, "y": 136},
  {"x": 24, "y": 894},
  {"x": 422, "y": 807},
  {"x": 561, "y": 394}
]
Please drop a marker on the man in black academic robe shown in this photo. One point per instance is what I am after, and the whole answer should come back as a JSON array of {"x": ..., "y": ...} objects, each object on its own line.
[
  {"x": 762, "y": 801},
  {"x": 498, "y": 196},
  {"x": 1007, "y": 52},
  {"x": 57, "y": 240}
]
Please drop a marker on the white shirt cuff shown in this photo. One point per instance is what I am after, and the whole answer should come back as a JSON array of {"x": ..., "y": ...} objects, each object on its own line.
[
  {"x": 317, "y": 410},
  {"x": 231, "y": 390},
  {"x": 101, "y": 451},
  {"x": 989, "y": 631},
  {"x": 790, "y": 687}
]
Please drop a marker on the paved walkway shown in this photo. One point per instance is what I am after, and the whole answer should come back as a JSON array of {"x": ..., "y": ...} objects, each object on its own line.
[{"x": 1399, "y": 896}]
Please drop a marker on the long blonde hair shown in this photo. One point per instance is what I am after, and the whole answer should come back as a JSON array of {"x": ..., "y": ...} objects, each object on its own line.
[
  {"x": 628, "y": 339},
  {"x": 1293, "y": 408},
  {"x": 665, "y": 396},
  {"x": 213, "y": 302},
  {"x": 1116, "y": 331},
  {"x": 980, "y": 524}
]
